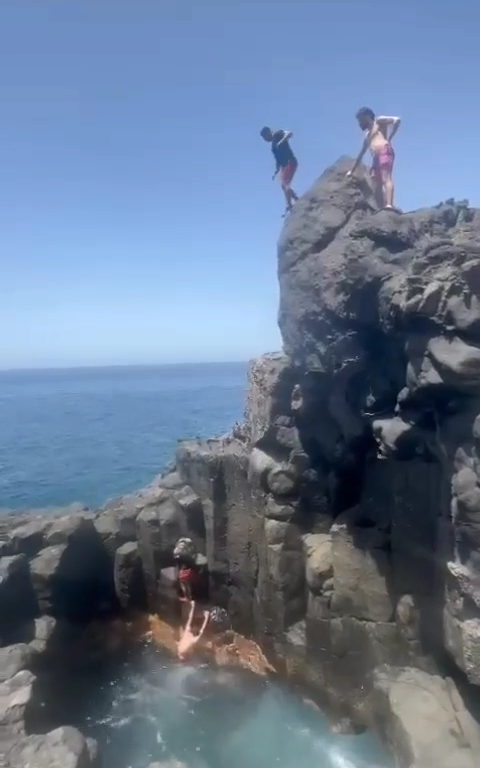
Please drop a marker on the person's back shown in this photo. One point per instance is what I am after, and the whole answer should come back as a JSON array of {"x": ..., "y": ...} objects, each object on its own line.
[
  {"x": 378, "y": 137},
  {"x": 282, "y": 150}
]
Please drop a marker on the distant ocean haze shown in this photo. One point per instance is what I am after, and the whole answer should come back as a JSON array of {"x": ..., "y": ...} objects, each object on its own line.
[{"x": 89, "y": 434}]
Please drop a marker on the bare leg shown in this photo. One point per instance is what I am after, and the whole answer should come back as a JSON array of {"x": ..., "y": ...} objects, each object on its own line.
[
  {"x": 379, "y": 196},
  {"x": 378, "y": 189},
  {"x": 185, "y": 592},
  {"x": 286, "y": 192},
  {"x": 290, "y": 196},
  {"x": 388, "y": 188}
]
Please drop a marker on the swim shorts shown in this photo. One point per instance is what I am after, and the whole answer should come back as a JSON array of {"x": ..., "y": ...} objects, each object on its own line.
[
  {"x": 186, "y": 574},
  {"x": 383, "y": 161},
  {"x": 287, "y": 172}
]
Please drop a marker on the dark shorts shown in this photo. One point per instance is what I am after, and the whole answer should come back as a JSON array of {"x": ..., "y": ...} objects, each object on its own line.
[{"x": 287, "y": 172}]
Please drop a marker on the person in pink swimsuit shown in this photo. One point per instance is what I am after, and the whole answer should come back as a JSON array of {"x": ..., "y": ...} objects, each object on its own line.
[{"x": 379, "y": 132}]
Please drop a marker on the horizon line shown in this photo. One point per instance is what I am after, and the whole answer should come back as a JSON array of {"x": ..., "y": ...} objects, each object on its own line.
[{"x": 51, "y": 368}]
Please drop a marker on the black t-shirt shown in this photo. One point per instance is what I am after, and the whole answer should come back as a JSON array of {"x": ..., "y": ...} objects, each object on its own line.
[{"x": 282, "y": 152}]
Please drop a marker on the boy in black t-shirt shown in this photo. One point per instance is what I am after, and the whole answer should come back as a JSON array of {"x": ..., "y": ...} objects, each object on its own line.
[{"x": 286, "y": 162}]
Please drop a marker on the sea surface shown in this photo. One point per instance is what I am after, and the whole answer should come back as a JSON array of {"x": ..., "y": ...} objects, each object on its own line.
[{"x": 94, "y": 433}]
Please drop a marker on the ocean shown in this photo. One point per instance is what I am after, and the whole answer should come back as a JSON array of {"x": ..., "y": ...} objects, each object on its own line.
[{"x": 91, "y": 434}]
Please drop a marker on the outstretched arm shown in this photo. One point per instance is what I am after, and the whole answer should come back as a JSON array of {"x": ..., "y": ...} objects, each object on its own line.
[
  {"x": 390, "y": 122},
  {"x": 365, "y": 145}
]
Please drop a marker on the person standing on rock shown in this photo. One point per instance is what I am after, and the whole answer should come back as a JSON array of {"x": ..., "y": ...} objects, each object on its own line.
[
  {"x": 192, "y": 580},
  {"x": 379, "y": 132},
  {"x": 286, "y": 162}
]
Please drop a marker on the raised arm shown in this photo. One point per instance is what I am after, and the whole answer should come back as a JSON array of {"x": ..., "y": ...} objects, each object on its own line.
[
  {"x": 389, "y": 122},
  {"x": 286, "y": 136},
  {"x": 188, "y": 625},
  {"x": 206, "y": 617}
]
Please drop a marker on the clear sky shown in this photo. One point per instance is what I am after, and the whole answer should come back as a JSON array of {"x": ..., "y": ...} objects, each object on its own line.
[{"x": 138, "y": 219}]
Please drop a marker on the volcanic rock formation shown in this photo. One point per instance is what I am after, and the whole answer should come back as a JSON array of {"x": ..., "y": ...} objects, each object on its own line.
[{"x": 341, "y": 521}]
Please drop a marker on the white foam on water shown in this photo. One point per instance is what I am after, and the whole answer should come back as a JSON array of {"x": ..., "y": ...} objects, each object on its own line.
[
  {"x": 205, "y": 718},
  {"x": 338, "y": 760}
]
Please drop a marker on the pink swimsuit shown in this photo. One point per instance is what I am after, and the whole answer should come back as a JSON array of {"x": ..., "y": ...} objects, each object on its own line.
[{"x": 383, "y": 160}]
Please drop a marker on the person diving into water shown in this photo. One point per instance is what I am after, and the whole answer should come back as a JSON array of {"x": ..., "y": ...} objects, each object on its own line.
[
  {"x": 286, "y": 162},
  {"x": 188, "y": 640},
  {"x": 379, "y": 132}
]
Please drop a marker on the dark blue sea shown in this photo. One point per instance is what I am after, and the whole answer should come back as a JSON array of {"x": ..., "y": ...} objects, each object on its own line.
[{"x": 92, "y": 433}]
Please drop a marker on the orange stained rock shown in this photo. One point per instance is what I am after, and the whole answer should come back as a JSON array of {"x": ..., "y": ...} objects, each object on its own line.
[{"x": 226, "y": 649}]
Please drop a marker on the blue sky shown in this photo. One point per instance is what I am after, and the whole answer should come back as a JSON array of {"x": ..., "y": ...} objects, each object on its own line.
[{"x": 138, "y": 216}]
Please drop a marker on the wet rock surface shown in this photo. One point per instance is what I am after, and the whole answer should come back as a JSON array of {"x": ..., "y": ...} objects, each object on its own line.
[
  {"x": 341, "y": 522},
  {"x": 62, "y": 747},
  {"x": 13, "y": 658},
  {"x": 128, "y": 577},
  {"x": 17, "y": 597},
  {"x": 425, "y": 719}
]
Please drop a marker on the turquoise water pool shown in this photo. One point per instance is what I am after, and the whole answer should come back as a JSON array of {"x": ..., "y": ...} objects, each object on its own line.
[{"x": 150, "y": 708}]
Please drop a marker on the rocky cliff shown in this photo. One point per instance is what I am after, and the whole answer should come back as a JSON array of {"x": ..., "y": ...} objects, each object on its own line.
[
  {"x": 348, "y": 520},
  {"x": 341, "y": 522}
]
